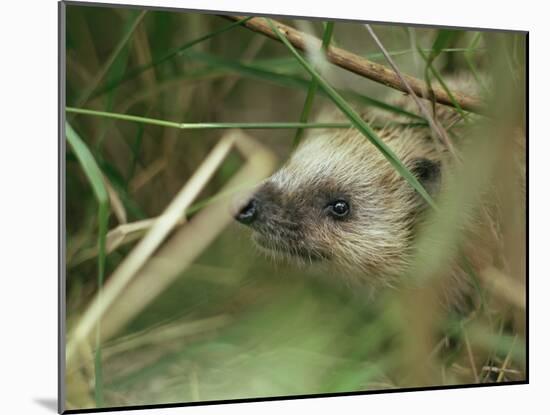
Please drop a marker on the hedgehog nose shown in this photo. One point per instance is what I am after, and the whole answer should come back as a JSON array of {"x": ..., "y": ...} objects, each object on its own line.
[{"x": 248, "y": 213}]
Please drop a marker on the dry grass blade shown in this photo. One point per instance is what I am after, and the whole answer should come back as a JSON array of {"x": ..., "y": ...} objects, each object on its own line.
[
  {"x": 500, "y": 370},
  {"x": 116, "y": 52},
  {"x": 248, "y": 56},
  {"x": 168, "y": 85},
  {"x": 159, "y": 334},
  {"x": 506, "y": 361},
  {"x": 121, "y": 235},
  {"x": 115, "y": 202},
  {"x": 359, "y": 65},
  {"x": 184, "y": 246},
  {"x": 504, "y": 286},
  {"x": 470, "y": 355},
  {"x": 434, "y": 125},
  {"x": 141, "y": 253},
  {"x": 146, "y": 175},
  {"x": 164, "y": 333},
  {"x": 128, "y": 232},
  {"x": 143, "y": 56}
]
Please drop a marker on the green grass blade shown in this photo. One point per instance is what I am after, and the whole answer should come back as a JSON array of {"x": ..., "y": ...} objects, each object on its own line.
[
  {"x": 117, "y": 69},
  {"x": 123, "y": 117},
  {"x": 469, "y": 57},
  {"x": 130, "y": 27},
  {"x": 167, "y": 56},
  {"x": 357, "y": 121},
  {"x": 444, "y": 37},
  {"x": 363, "y": 99},
  {"x": 87, "y": 161},
  {"x": 120, "y": 185},
  {"x": 135, "y": 147},
  {"x": 95, "y": 177},
  {"x": 207, "y": 126},
  {"x": 262, "y": 70},
  {"x": 259, "y": 71},
  {"x": 304, "y": 116},
  {"x": 437, "y": 75},
  {"x": 285, "y": 65}
]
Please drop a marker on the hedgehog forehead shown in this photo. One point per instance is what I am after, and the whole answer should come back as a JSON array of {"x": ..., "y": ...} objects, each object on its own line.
[
  {"x": 329, "y": 161},
  {"x": 335, "y": 149},
  {"x": 296, "y": 188}
]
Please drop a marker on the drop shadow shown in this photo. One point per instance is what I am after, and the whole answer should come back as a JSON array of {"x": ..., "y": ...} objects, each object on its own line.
[{"x": 48, "y": 403}]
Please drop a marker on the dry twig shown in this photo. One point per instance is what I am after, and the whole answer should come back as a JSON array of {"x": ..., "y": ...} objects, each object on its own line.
[{"x": 361, "y": 66}]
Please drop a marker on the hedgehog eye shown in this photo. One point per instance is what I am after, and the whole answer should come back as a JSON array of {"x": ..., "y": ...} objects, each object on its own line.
[{"x": 338, "y": 209}]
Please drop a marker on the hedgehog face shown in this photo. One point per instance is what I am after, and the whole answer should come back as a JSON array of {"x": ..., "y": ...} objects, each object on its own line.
[
  {"x": 292, "y": 222},
  {"x": 338, "y": 200}
]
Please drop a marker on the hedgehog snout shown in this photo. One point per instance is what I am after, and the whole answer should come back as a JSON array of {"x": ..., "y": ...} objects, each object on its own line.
[
  {"x": 249, "y": 212},
  {"x": 260, "y": 208}
]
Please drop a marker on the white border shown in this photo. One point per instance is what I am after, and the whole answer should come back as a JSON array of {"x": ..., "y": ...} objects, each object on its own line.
[{"x": 28, "y": 33}]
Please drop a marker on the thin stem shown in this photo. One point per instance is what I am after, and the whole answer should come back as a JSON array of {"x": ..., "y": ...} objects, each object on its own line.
[
  {"x": 469, "y": 57},
  {"x": 327, "y": 36},
  {"x": 167, "y": 56},
  {"x": 207, "y": 126},
  {"x": 439, "y": 78},
  {"x": 116, "y": 52},
  {"x": 435, "y": 126}
]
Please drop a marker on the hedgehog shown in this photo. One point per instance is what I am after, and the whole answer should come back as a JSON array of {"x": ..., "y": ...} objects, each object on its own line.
[{"x": 337, "y": 201}]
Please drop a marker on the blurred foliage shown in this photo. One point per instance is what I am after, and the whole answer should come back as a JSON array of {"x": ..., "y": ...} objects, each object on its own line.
[{"x": 234, "y": 325}]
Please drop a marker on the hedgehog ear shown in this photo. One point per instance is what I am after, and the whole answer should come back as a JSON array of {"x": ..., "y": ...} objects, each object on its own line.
[{"x": 428, "y": 173}]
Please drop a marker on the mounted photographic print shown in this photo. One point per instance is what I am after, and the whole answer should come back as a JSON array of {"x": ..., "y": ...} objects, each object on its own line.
[{"x": 259, "y": 207}]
